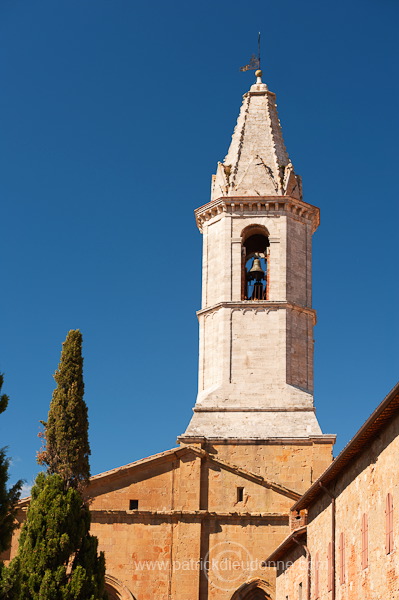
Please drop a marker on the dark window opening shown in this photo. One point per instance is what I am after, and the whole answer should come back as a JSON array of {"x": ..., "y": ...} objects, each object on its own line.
[
  {"x": 255, "y": 267},
  {"x": 133, "y": 504},
  {"x": 240, "y": 494}
]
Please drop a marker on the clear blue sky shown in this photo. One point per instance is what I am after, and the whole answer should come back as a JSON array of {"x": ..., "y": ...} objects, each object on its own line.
[{"x": 113, "y": 117}]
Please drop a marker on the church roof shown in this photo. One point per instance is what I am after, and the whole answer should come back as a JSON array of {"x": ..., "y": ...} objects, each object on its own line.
[
  {"x": 182, "y": 450},
  {"x": 257, "y": 163},
  {"x": 296, "y": 537},
  {"x": 176, "y": 453},
  {"x": 379, "y": 419}
]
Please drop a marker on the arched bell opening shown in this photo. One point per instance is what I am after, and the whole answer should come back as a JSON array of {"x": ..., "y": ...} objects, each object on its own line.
[{"x": 254, "y": 263}]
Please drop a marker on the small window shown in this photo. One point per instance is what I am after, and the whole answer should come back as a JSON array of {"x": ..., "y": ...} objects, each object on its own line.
[
  {"x": 300, "y": 591},
  {"x": 133, "y": 504},
  {"x": 240, "y": 494}
]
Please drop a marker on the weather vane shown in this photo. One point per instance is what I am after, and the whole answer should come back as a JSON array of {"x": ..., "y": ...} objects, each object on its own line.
[{"x": 254, "y": 62}]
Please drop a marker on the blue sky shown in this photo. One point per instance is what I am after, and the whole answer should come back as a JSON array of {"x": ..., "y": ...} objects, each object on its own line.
[{"x": 113, "y": 116}]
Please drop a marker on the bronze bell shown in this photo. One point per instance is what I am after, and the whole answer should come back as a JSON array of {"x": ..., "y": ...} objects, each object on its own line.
[{"x": 256, "y": 271}]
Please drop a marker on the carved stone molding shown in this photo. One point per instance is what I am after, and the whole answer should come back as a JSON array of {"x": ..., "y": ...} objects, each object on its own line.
[
  {"x": 257, "y": 306},
  {"x": 259, "y": 206}
]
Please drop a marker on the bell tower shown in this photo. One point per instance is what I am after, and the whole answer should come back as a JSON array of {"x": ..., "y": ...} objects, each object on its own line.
[{"x": 256, "y": 319}]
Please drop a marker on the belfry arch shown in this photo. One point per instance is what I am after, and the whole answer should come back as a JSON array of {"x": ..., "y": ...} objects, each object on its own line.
[
  {"x": 116, "y": 590},
  {"x": 254, "y": 262},
  {"x": 257, "y": 589}
]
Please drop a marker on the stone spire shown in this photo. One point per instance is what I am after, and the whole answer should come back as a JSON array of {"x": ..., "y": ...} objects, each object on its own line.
[
  {"x": 256, "y": 349},
  {"x": 257, "y": 163}
]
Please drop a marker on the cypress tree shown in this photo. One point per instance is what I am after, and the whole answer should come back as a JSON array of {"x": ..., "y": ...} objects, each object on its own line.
[
  {"x": 8, "y": 497},
  {"x": 57, "y": 557},
  {"x": 66, "y": 431}
]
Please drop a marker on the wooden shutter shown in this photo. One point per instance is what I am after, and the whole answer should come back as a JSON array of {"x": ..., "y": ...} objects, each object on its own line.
[
  {"x": 342, "y": 557},
  {"x": 389, "y": 524},
  {"x": 329, "y": 567},
  {"x": 365, "y": 541}
]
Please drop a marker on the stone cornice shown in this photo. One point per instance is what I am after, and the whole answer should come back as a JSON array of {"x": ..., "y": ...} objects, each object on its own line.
[
  {"x": 259, "y": 206},
  {"x": 257, "y": 305},
  {"x": 251, "y": 409},
  {"x": 326, "y": 438},
  {"x": 181, "y": 514}
]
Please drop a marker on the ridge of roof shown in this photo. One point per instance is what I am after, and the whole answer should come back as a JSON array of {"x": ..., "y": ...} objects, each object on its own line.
[
  {"x": 126, "y": 467},
  {"x": 181, "y": 450},
  {"x": 381, "y": 415},
  {"x": 256, "y": 478},
  {"x": 136, "y": 463}
]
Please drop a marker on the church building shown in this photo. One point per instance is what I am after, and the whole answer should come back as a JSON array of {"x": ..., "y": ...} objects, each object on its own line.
[{"x": 196, "y": 522}]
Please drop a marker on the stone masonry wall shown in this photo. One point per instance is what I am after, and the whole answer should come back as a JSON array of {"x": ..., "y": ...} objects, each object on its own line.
[
  {"x": 294, "y": 465},
  {"x": 362, "y": 488},
  {"x": 292, "y": 579},
  {"x": 190, "y": 509},
  {"x": 300, "y": 349}
]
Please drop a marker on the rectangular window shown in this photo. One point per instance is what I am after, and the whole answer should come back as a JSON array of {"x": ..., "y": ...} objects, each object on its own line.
[
  {"x": 365, "y": 541},
  {"x": 133, "y": 504},
  {"x": 342, "y": 557},
  {"x": 300, "y": 591},
  {"x": 316, "y": 577},
  {"x": 240, "y": 494},
  {"x": 389, "y": 524},
  {"x": 329, "y": 567}
]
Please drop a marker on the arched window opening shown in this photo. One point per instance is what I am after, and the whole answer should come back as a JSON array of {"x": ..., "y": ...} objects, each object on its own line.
[
  {"x": 254, "y": 277},
  {"x": 254, "y": 590},
  {"x": 112, "y": 593},
  {"x": 257, "y": 594},
  {"x": 116, "y": 590}
]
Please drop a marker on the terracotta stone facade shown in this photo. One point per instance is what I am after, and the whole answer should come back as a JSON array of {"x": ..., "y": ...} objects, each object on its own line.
[
  {"x": 188, "y": 523},
  {"x": 351, "y": 541}
]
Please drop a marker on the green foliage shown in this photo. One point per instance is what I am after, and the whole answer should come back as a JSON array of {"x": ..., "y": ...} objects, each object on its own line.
[
  {"x": 3, "y": 397},
  {"x": 8, "y": 497},
  {"x": 66, "y": 431},
  {"x": 57, "y": 557}
]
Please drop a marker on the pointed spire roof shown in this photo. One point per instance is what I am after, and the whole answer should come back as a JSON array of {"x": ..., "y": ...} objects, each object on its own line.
[{"x": 257, "y": 163}]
